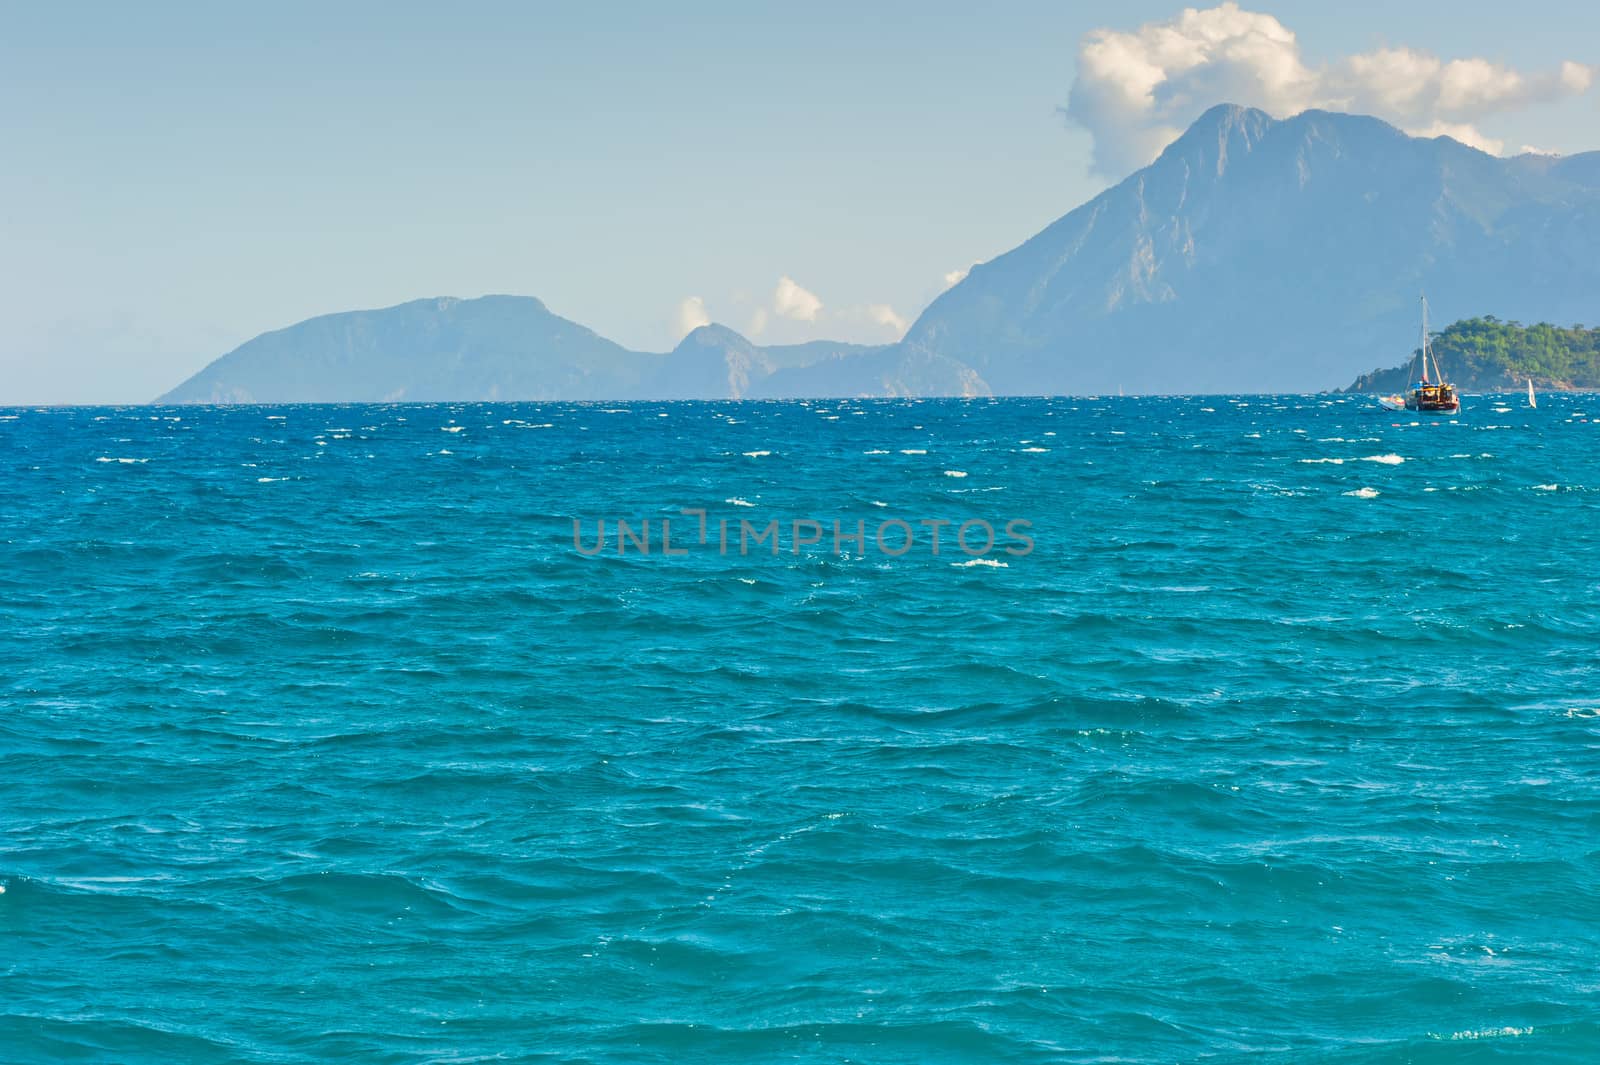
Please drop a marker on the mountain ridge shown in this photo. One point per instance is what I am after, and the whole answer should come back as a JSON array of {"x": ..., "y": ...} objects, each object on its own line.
[
  {"x": 1276, "y": 252},
  {"x": 1253, "y": 255}
]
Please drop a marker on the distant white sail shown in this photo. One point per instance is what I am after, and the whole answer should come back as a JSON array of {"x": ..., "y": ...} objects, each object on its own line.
[{"x": 1532, "y": 402}]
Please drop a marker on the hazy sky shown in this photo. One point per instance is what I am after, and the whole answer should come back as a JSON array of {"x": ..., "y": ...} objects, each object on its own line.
[{"x": 175, "y": 179}]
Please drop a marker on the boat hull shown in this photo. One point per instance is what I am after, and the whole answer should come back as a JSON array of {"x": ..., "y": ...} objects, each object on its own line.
[{"x": 1434, "y": 399}]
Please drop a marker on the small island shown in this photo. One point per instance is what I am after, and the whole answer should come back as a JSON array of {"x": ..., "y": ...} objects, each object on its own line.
[{"x": 1488, "y": 355}]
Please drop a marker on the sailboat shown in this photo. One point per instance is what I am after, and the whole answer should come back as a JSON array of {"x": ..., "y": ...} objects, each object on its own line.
[
  {"x": 1531, "y": 401},
  {"x": 1432, "y": 395}
]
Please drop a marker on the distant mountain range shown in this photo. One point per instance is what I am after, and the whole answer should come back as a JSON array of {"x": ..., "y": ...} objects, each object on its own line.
[
  {"x": 514, "y": 348},
  {"x": 1254, "y": 255}
]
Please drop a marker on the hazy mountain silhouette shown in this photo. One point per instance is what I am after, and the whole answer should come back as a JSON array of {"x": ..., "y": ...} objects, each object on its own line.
[
  {"x": 512, "y": 347},
  {"x": 496, "y": 347}
]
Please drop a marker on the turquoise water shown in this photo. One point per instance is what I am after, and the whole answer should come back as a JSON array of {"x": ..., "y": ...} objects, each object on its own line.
[{"x": 323, "y": 742}]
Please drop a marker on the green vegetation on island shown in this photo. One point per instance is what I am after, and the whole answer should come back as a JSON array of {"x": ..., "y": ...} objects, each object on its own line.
[{"x": 1488, "y": 355}]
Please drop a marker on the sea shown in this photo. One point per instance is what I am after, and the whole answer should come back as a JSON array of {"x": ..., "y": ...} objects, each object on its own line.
[{"x": 1212, "y": 729}]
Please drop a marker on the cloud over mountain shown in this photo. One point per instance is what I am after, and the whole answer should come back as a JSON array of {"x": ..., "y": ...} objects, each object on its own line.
[
  {"x": 792, "y": 301},
  {"x": 691, "y": 316},
  {"x": 1137, "y": 90}
]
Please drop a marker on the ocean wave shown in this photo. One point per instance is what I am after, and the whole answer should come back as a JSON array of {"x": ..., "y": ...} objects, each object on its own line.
[{"x": 1505, "y": 1032}]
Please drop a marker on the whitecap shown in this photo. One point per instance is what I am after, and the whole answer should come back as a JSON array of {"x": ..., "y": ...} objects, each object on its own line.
[
  {"x": 755, "y": 454},
  {"x": 1313, "y": 462},
  {"x": 269, "y": 480},
  {"x": 913, "y": 451},
  {"x": 451, "y": 428},
  {"x": 125, "y": 462},
  {"x": 1035, "y": 450},
  {"x": 1364, "y": 493},
  {"x": 1546, "y": 487},
  {"x": 1488, "y": 1033},
  {"x": 1387, "y": 460},
  {"x": 875, "y": 451},
  {"x": 990, "y": 562},
  {"x": 955, "y": 473},
  {"x": 736, "y": 501}
]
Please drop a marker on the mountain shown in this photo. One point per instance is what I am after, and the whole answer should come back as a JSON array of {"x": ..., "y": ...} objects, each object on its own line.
[
  {"x": 514, "y": 348},
  {"x": 1488, "y": 355},
  {"x": 1262, "y": 255},
  {"x": 496, "y": 347},
  {"x": 1254, "y": 255}
]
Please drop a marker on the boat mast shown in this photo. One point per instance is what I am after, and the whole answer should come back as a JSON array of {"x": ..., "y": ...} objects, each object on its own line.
[{"x": 1424, "y": 339}]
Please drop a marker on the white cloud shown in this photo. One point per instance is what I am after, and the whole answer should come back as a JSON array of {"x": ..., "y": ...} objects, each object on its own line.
[
  {"x": 792, "y": 301},
  {"x": 955, "y": 277},
  {"x": 691, "y": 316},
  {"x": 1575, "y": 77},
  {"x": 885, "y": 315},
  {"x": 792, "y": 314},
  {"x": 1136, "y": 91},
  {"x": 1464, "y": 133}
]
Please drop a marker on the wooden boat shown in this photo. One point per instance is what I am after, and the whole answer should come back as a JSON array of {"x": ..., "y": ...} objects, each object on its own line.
[{"x": 1430, "y": 394}]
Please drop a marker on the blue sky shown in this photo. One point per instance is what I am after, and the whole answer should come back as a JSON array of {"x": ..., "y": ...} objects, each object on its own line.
[{"x": 177, "y": 179}]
